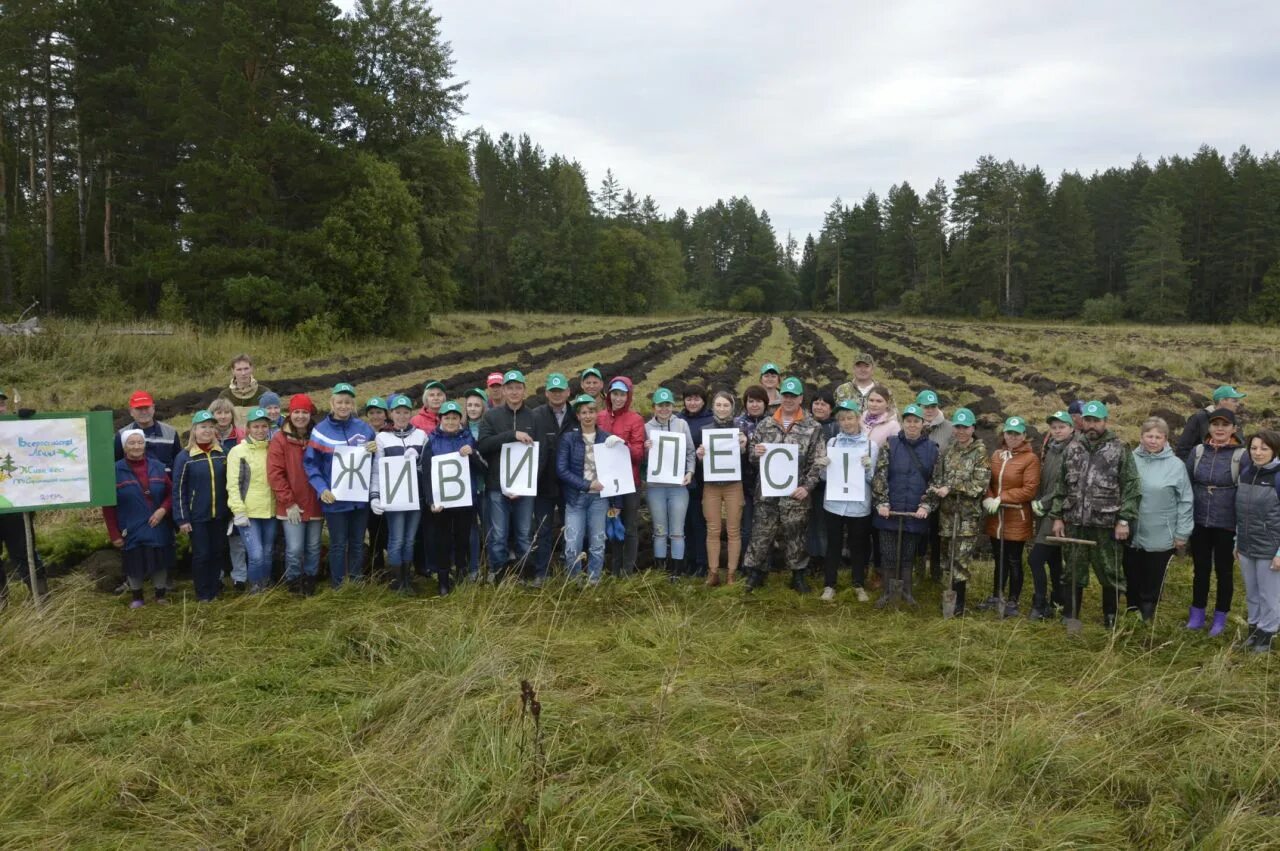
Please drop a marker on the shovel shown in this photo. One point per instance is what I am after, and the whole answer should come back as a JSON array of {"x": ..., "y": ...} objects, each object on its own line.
[
  {"x": 1074, "y": 625},
  {"x": 895, "y": 585},
  {"x": 949, "y": 593}
]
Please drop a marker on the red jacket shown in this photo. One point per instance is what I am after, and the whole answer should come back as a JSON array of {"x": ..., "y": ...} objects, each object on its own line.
[
  {"x": 626, "y": 424},
  {"x": 425, "y": 419},
  {"x": 286, "y": 476}
]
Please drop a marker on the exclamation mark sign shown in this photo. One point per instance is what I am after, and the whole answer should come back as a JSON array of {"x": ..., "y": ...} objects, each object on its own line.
[{"x": 845, "y": 456}]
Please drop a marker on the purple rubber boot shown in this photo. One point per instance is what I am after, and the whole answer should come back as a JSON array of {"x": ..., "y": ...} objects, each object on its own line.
[
  {"x": 1196, "y": 621},
  {"x": 1219, "y": 624}
]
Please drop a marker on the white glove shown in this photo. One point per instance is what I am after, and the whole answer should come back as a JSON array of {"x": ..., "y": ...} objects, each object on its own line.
[
  {"x": 991, "y": 504},
  {"x": 376, "y": 504},
  {"x": 241, "y": 520},
  {"x": 823, "y": 462},
  {"x": 411, "y": 453},
  {"x": 1037, "y": 508},
  {"x": 294, "y": 514},
  {"x": 613, "y": 440}
]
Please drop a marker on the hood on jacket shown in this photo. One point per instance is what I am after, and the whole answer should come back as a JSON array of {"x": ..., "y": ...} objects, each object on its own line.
[
  {"x": 630, "y": 393},
  {"x": 292, "y": 433},
  {"x": 1141, "y": 452}
]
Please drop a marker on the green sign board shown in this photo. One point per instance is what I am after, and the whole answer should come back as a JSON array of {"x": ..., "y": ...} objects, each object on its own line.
[{"x": 57, "y": 461}]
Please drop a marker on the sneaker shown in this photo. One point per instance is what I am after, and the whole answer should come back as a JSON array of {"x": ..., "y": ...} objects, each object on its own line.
[
  {"x": 989, "y": 604},
  {"x": 136, "y": 604},
  {"x": 537, "y": 582},
  {"x": 162, "y": 601},
  {"x": 861, "y": 594},
  {"x": 240, "y": 587},
  {"x": 828, "y": 594},
  {"x": 1010, "y": 609}
]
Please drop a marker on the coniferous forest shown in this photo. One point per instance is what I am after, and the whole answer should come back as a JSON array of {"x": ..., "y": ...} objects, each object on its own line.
[{"x": 274, "y": 162}]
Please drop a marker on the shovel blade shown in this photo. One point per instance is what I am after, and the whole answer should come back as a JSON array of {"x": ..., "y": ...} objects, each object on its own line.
[{"x": 948, "y": 604}]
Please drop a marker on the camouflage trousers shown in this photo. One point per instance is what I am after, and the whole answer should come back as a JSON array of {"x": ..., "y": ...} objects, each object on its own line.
[
  {"x": 1106, "y": 559},
  {"x": 774, "y": 516},
  {"x": 958, "y": 553}
]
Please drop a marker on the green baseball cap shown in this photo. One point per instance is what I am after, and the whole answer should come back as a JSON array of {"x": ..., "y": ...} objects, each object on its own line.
[
  {"x": 964, "y": 417},
  {"x": 513, "y": 375},
  {"x": 770, "y": 367},
  {"x": 557, "y": 381},
  {"x": 343, "y": 388},
  {"x": 912, "y": 411},
  {"x": 401, "y": 401},
  {"x": 927, "y": 399},
  {"x": 591, "y": 370},
  {"x": 848, "y": 405},
  {"x": 377, "y": 402},
  {"x": 1060, "y": 417},
  {"x": 201, "y": 417},
  {"x": 584, "y": 399},
  {"x": 476, "y": 391},
  {"x": 257, "y": 414},
  {"x": 792, "y": 386},
  {"x": 663, "y": 396},
  {"x": 1226, "y": 391},
  {"x": 450, "y": 408},
  {"x": 436, "y": 384},
  {"x": 1095, "y": 409},
  {"x": 1016, "y": 424}
]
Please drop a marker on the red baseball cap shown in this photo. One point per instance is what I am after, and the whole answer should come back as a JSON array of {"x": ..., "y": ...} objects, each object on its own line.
[
  {"x": 494, "y": 378},
  {"x": 301, "y": 402},
  {"x": 141, "y": 399}
]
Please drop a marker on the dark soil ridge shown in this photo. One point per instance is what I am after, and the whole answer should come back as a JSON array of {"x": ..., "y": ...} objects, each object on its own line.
[
  {"x": 811, "y": 350},
  {"x": 735, "y": 350}
]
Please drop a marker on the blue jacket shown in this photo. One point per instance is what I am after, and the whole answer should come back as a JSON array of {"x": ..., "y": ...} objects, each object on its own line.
[
  {"x": 200, "y": 486},
  {"x": 908, "y": 480},
  {"x": 570, "y": 459},
  {"x": 318, "y": 459},
  {"x": 1258, "y": 511},
  {"x": 443, "y": 443},
  {"x": 134, "y": 507},
  {"x": 697, "y": 422},
  {"x": 1214, "y": 485},
  {"x": 1165, "y": 512}
]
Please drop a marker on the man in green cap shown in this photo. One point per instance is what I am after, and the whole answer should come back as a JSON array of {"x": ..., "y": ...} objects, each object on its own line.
[
  {"x": 1096, "y": 499},
  {"x": 592, "y": 381},
  {"x": 1196, "y": 430},
  {"x": 510, "y": 422},
  {"x": 550, "y": 421},
  {"x": 959, "y": 481},
  {"x": 790, "y": 514},
  {"x": 864, "y": 380}
]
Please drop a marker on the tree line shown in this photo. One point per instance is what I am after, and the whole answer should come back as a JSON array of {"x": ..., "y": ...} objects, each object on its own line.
[{"x": 278, "y": 163}]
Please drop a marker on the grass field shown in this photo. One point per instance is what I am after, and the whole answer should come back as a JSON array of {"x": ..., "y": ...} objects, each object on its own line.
[{"x": 672, "y": 716}]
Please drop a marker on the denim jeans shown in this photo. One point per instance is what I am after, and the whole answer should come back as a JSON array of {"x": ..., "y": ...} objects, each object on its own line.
[
  {"x": 507, "y": 515},
  {"x": 346, "y": 543},
  {"x": 584, "y": 516},
  {"x": 544, "y": 527},
  {"x": 302, "y": 548},
  {"x": 239, "y": 556},
  {"x": 668, "y": 505},
  {"x": 402, "y": 529},
  {"x": 259, "y": 539}
]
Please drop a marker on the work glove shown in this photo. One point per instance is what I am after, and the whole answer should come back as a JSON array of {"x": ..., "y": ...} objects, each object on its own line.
[
  {"x": 613, "y": 440},
  {"x": 294, "y": 514},
  {"x": 371, "y": 446},
  {"x": 823, "y": 462},
  {"x": 1037, "y": 508},
  {"x": 376, "y": 504},
  {"x": 241, "y": 520},
  {"x": 991, "y": 504}
]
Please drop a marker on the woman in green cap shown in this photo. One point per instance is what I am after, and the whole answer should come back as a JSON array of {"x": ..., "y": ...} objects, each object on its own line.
[
  {"x": 668, "y": 504},
  {"x": 399, "y": 528},
  {"x": 584, "y": 510},
  {"x": 433, "y": 396},
  {"x": 959, "y": 483},
  {"x": 1015, "y": 481},
  {"x": 251, "y": 500},
  {"x": 474, "y": 403},
  {"x": 1047, "y": 591},
  {"x": 200, "y": 504}
]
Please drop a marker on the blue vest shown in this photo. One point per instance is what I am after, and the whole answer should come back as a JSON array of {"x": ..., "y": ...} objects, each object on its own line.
[
  {"x": 911, "y": 466},
  {"x": 135, "y": 503}
]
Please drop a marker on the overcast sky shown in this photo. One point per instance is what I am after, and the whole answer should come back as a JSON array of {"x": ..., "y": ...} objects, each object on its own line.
[{"x": 792, "y": 104}]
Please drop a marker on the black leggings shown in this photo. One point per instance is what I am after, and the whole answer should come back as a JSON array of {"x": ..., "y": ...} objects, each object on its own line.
[
  {"x": 1011, "y": 572},
  {"x": 856, "y": 530},
  {"x": 1144, "y": 576},
  {"x": 452, "y": 531},
  {"x": 1047, "y": 589},
  {"x": 1212, "y": 550}
]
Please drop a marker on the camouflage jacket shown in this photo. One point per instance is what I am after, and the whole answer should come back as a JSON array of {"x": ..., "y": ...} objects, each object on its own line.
[
  {"x": 1099, "y": 483},
  {"x": 805, "y": 432},
  {"x": 849, "y": 390},
  {"x": 966, "y": 471}
]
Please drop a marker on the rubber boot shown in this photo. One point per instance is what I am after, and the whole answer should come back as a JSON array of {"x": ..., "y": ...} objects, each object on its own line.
[
  {"x": 1148, "y": 611},
  {"x": 959, "y": 588},
  {"x": 907, "y": 579},
  {"x": 446, "y": 581},
  {"x": 1219, "y": 624},
  {"x": 1039, "y": 609},
  {"x": 755, "y": 579},
  {"x": 1196, "y": 620},
  {"x": 677, "y": 568},
  {"x": 397, "y": 576},
  {"x": 886, "y": 589},
  {"x": 1262, "y": 644},
  {"x": 797, "y": 582},
  {"x": 1252, "y": 638},
  {"x": 406, "y": 580}
]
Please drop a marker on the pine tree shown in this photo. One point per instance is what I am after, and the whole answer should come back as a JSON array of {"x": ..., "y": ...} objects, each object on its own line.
[
  {"x": 609, "y": 195},
  {"x": 1159, "y": 277}
]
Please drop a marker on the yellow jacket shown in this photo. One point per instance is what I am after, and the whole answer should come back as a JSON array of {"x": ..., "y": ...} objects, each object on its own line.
[{"x": 248, "y": 491}]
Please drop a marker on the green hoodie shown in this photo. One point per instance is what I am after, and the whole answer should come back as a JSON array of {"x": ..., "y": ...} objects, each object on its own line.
[{"x": 1165, "y": 513}]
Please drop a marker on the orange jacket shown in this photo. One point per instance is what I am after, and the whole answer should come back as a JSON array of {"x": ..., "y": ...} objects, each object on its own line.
[{"x": 1015, "y": 479}]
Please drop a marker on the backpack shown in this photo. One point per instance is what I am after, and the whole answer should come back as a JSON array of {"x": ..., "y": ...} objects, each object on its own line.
[{"x": 1236, "y": 457}]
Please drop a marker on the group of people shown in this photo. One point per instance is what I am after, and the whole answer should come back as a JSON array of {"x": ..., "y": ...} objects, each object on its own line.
[{"x": 1077, "y": 501}]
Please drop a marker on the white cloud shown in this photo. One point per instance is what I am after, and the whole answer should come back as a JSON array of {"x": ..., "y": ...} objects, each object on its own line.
[{"x": 793, "y": 104}]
